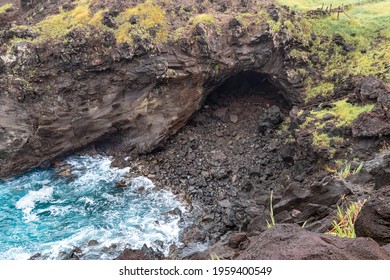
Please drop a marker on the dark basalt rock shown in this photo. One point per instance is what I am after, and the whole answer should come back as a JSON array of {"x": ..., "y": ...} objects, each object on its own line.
[
  {"x": 374, "y": 218},
  {"x": 376, "y": 122},
  {"x": 290, "y": 242},
  {"x": 146, "y": 253},
  {"x": 130, "y": 254},
  {"x": 371, "y": 88},
  {"x": 314, "y": 199},
  {"x": 271, "y": 119},
  {"x": 379, "y": 169}
]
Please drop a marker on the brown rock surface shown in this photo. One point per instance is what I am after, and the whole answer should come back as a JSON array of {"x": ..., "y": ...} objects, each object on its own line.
[
  {"x": 290, "y": 242},
  {"x": 62, "y": 96},
  {"x": 374, "y": 218}
]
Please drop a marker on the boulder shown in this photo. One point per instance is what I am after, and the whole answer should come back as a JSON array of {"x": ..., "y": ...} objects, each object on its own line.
[
  {"x": 146, "y": 253},
  {"x": 371, "y": 88},
  {"x": 314, "y": 200},
  {"x": 376, "y": 122},
  {"x": 291, "y": 242},
  {"x": 130, "y": 254},
  {"x": 271, "y": 119},
  {"x": 379, "y": 169},
  {"x": 374, "y": 218}
]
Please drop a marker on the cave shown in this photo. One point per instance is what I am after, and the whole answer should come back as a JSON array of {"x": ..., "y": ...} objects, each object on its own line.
[
  {"x": 221, "y": 153},
  {"x": 259, "y": 87}
]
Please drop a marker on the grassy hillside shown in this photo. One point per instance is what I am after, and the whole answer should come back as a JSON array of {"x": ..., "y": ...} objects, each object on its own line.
[{"x": 365, "y": 27}]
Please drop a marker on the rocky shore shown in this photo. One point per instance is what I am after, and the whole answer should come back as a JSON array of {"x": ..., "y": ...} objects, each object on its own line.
[{"x": 215, "y": 111}]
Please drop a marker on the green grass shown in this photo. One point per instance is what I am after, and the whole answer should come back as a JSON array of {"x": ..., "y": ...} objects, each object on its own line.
[
  {"x": 4, "y": 8},
  {"x": 345, "y": 113},
  {"x": 344, "y": 226},
  {"x": 271, "y": 212},
  {"x": 207, "y": 19},
  {"x": 56, "y": 26},
  {"x": 214, "y": 257},
  {"x": 322, "y": 89},
  {"x": 151, "y": 23},
  {"x": 367, "y": 29},
  {"x": 306, "y": 5},
  {"x": 324, "y": 140},
  {"x": 346, "y": 171}
]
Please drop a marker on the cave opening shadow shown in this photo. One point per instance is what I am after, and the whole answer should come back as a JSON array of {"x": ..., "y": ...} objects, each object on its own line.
[{"x": 251, "y": 85}]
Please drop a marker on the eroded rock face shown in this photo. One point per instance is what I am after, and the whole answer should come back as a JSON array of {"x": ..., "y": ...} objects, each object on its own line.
[
  {"x": 80, "y": 90},
  {"x": 290, "y": 242},
  {"x": 377, "y": 122},
  {"x": 374, "y": 218},
  {"x": 311, "y": 201}
]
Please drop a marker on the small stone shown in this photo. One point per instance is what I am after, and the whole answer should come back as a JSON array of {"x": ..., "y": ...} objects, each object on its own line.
[
  {"x": 221, "y": 113},
  {"x": 295, "y": 213},
  {"x": 234, "y": 118},
  {"x": 121, "y": 184},
  {"x": 237, "y": 239},
  {"x": 92, "y": 243}
]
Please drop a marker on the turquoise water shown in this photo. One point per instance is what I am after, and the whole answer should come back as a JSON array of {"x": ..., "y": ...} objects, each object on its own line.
[{"x": 42, "y": 212}]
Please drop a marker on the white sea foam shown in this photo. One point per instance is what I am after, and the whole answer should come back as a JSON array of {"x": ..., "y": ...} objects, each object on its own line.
[
  {"x": 143, "y": 182},
  {"x": 27, "y": 203},
  {"x": 90, "y": 207}
]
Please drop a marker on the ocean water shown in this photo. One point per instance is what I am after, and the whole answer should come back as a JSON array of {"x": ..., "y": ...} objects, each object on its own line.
[{"x": 42, "y": 212}]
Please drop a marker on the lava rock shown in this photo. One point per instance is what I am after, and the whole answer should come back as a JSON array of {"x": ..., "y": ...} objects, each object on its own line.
[
  {"x": 130, "y": 254},
  {"x": 291, "y": 242},
  {"x": 340, "y": 41},
  {"x": 371, "y": 88},
  {"x": 314, "y": 199},
  {"x": 376, "y": 122},
  {"x": 75, "y": 254},
  {"x": 238, "y": 240},
  {"x": 374, "y": 218},
  {"x": 271, "y": 119},
  {"x": 379, "y": 168}
]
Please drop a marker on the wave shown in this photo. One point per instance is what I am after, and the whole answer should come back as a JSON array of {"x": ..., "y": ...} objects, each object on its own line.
[
  {"x": 28, "y": 202},
  {"x": 55, "y": 214}
]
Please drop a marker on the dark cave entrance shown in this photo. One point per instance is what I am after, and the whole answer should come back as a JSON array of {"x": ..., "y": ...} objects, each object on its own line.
[
  {"x": 227, "y": 154},
  {"x": 256, "y": 87}
]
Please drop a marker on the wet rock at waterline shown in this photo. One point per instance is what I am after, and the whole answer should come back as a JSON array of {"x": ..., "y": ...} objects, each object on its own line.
[{"x": 96, "y": 218}]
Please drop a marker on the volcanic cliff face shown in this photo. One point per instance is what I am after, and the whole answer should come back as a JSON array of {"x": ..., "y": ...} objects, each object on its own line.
[{"x": 63, "y": 94}]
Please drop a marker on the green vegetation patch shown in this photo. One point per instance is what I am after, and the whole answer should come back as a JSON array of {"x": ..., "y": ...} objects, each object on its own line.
[
  {"x": 322, "y": 89},
  {"x": 148, "y": 22},
  {"x": 365, "y": 27},
  {"x": 56, "y": 26},
  {"x": 324, "y": 140},
  {"x": 203, "y": 18},
  {"x": 345, "y": 113},
  {"x": 5, "y": 8},
  {"x": 341, "y": 114},
  {"x": 344, "y": 225}
]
